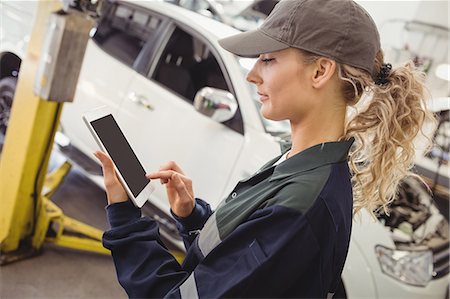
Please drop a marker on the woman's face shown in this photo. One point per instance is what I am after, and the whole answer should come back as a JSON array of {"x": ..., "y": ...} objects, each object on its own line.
[{"x": 282, "y": 82}]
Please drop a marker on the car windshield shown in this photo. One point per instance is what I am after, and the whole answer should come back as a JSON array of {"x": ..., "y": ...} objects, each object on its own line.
[{"x": 275, "y": 128}]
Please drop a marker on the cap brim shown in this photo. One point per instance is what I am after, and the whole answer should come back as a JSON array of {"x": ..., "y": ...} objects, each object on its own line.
[{"x": 251, "y": 44}]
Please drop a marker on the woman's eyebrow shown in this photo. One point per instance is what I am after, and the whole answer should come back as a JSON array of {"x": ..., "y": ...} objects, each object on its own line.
[{"x": 265, "y": 55}]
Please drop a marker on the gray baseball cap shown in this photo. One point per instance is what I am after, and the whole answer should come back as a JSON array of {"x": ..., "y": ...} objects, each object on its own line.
[{"x": 338, "y": 29}]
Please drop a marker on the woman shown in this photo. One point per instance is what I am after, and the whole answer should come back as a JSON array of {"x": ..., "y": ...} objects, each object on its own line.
[{"x": 284, "y": 232}]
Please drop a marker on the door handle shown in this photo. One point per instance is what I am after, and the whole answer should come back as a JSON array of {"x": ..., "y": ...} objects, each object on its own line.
[{"x": 140, "y": 100}]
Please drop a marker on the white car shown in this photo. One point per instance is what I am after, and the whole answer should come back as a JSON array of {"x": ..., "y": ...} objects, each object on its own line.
[
  {"x": 148, "y": 61},
  {"x": 243, "y": 15}
]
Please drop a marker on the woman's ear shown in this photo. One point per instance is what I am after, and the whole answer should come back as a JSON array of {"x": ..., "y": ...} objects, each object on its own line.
[{"x": 324, "y": 69}]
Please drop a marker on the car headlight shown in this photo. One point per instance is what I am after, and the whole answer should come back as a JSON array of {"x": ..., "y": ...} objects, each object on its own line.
[{"x": 411, "y": 267}]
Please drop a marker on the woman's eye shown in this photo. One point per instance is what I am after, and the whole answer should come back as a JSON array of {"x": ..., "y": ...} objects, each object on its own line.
[{"x": 267, "y": 60}]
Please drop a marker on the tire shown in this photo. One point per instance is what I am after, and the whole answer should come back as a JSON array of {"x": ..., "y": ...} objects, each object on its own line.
[{"x": 7, "y": 90}]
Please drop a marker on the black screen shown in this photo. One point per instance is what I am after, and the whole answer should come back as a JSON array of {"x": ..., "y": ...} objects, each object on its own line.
[{"x": 121, "y": 153}]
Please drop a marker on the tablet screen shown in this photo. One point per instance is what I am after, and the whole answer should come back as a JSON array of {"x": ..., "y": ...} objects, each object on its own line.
[{"x": 121, "y": 153}]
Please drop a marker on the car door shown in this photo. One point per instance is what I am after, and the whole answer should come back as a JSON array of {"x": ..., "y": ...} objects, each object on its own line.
[
  {"x": 120, "y": 40},
  {"x": 162, "y": 124}
]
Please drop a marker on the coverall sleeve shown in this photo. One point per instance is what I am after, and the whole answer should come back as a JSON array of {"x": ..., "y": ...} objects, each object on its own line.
[
  {"x": 189, "y": 226},
  {"x": 272, "y": 254}
]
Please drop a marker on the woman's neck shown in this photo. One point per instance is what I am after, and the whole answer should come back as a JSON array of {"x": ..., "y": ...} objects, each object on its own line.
[{"x": 326, "y": 127}]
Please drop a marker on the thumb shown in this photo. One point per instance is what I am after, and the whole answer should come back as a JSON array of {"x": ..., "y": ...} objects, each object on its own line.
[{"x": 107, "y": 164}]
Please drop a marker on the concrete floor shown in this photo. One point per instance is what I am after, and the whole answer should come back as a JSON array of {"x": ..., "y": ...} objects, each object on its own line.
[{"x": 61, "y": 272}]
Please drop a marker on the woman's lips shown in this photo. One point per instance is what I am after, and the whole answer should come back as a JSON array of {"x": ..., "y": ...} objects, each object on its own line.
[{"x": 263, "y": 97}]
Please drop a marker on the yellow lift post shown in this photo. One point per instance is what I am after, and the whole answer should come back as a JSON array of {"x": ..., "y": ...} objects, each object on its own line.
[
  {"x": 26, "y": 213},
  {"x": 28, "y": 217}
]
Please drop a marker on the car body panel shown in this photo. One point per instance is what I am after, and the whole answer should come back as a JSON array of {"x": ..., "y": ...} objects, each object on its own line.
[
  {"x": 174, "y": 130},
  {"x": 97, "y": 86},
  {"x": 15, "y": 38}
]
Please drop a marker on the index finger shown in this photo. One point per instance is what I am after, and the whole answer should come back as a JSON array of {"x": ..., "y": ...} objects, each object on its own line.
[
  {"x": 165, "y": 174},
  {"x": 171, "y": 165}
]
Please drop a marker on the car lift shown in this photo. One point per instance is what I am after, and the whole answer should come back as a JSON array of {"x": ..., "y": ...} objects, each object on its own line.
[{"x": 28, "y": 217}]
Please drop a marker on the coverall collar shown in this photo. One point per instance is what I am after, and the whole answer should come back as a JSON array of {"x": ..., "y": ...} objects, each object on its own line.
[{"x": 313, "y": 157}]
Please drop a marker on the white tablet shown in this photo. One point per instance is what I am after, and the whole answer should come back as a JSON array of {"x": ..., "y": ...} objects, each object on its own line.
[{"x": 111, "y": 140}]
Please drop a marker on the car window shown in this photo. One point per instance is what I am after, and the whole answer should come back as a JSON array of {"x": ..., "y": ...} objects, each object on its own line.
[
  {"x": 123, "y": 31},
  {"x": 187, "y": 65}
]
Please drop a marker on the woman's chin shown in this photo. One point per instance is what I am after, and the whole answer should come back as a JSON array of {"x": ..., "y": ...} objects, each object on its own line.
[
  {"x": 266, "y": 114},
  {"x": 270, "y": 116}
]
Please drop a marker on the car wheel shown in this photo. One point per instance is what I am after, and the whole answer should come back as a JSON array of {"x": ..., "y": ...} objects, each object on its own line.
[{"x": 7, "y": 90}]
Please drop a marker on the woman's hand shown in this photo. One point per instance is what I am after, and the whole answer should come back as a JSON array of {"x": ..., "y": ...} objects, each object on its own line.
[
  {"x": 178, "y": 187},
  {"x": 114, "y": 189}
]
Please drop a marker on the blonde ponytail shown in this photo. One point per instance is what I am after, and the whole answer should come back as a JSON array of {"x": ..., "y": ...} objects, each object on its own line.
[{"x": 384, "y": 126}]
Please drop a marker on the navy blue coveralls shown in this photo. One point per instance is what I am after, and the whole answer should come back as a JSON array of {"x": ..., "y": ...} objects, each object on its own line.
[{"x": 283, "y": 232}]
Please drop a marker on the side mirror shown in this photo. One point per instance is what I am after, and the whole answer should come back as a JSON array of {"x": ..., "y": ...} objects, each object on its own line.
[{"x": 220, "y": 105}]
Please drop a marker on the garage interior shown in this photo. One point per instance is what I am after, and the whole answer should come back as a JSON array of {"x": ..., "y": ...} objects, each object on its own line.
[{"x": 72, "y": 263}]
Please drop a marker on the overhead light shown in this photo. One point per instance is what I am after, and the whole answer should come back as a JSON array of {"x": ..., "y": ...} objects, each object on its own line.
[{"x": 443, "y": 71}]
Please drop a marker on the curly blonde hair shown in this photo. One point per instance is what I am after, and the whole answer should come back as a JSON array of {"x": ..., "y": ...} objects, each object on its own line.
[{"x": 388, "y": 118}]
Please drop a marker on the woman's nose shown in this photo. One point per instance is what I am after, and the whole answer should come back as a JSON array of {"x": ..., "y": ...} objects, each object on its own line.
[{"x": 253, "y": 76}]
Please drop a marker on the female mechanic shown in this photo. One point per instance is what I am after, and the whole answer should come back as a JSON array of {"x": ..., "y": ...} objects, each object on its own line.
[{"x": 285, "y": 231}]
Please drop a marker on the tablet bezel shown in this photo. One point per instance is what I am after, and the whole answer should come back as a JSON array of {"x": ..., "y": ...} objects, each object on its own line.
[{"x": 98, "y": 113}]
